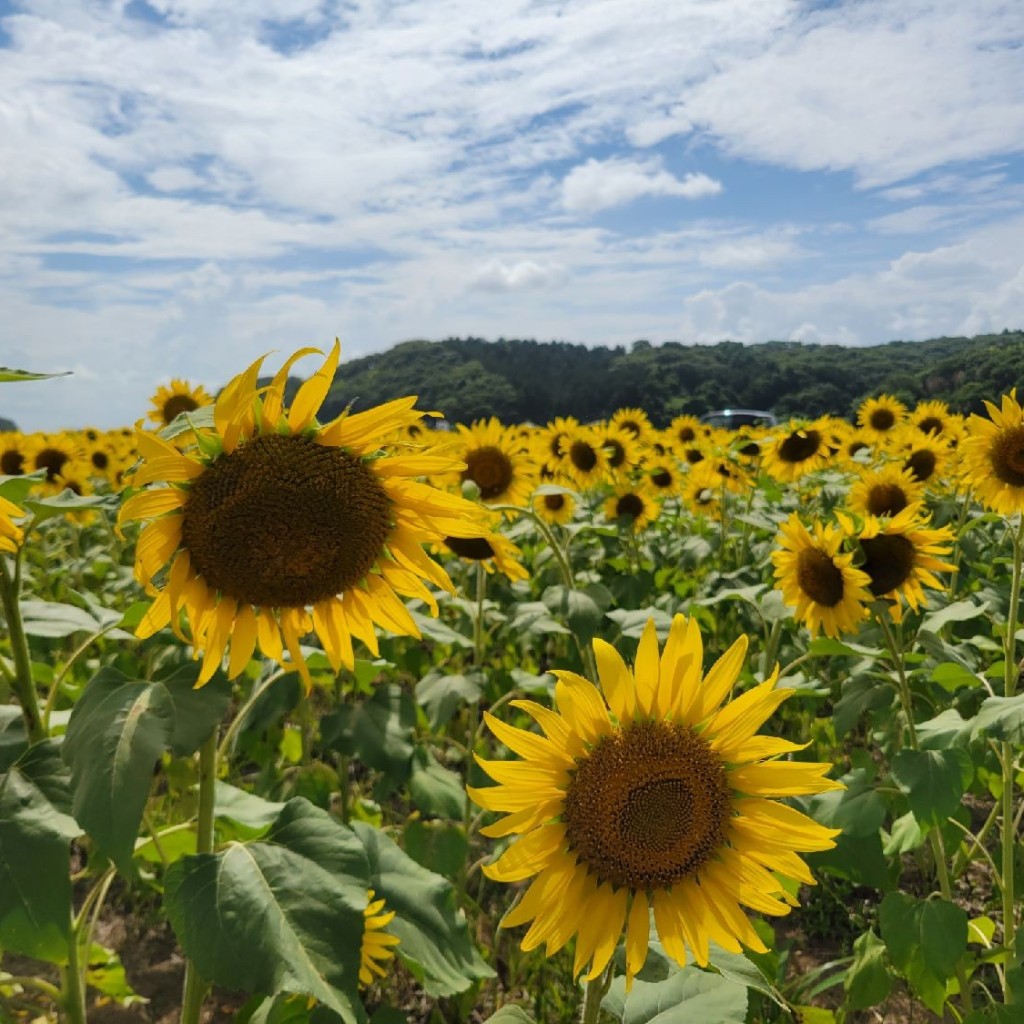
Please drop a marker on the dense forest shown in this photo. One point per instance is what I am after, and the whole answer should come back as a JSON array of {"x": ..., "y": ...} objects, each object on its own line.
[{"x": 520, "y": 381}]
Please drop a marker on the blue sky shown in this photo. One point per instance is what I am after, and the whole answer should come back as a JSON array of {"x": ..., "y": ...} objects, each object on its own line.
[{"x": 187, "y": 184}]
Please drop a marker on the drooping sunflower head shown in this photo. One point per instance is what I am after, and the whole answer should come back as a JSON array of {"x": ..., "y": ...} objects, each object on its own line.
[
  {"x": 993, "y": 456},
  {"x": 818, "y": 579},
  {"x": 878, "y": 416},
  {"x": 900, "y": 555},
  {"x": 494, "y": 551},
  {"x": 169, "y": 401},
  {"x": 275, "y": 525},
  {"x": 378, "y": 946},
  {"x": 884, "y": 492},
  {"x": 653, "y": 792}
]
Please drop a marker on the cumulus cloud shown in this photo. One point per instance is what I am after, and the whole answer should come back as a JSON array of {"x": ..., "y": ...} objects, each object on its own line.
[
  {"x": 601, "y": 184},
  {"x": 524, "y": 275}
]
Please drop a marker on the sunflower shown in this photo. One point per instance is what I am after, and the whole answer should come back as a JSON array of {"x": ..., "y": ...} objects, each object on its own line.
[
  {"x": 664, "y": 477},
  {"x": 170, "y": 401},
  {"x": 878, "y": 416},
  {"x": 993, "y": 456},
  {"x": 547, "y": 442},
  {"x": 51, "y": 452},
  {"x": 797, "y": 449},
  {"x": 586, "y": 462},
  {"x": 924, "y": 455},
  {"x": 555, "y": 507},
  {"x": 634, "y": 421},
  {"x": 11, "y": 535},
  {"x": 493, "y": 551},
  {"x": 817, "y": 581},
  {"x": 634, "y": 506},
  {"x": 934, "y": 418},
  {"x": 13, "y": 454},
  {"x": 685, "y": 430},
  {"x": 275, "y": 525},
  {"x": 702, "y": 491},
  {"x": 495, "y": 462},
  {"x": 901, "y": 555},
  {"x": 621, "y": 448},
  {"x": 884, "y": 492},
  {"x": 377, "y": 945},
  {"x": 655, "y": 796}
]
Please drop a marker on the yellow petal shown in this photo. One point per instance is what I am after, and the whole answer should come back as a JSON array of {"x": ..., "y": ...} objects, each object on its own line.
[
  {"x": 647, "y": 669},
  {"x": 268, "y": 634},
  {"x": 148, "y": 504},
  {"x": 528, "y": 855},
  {"x": 782, "y": 778},
  {"x": 720, "y": 680},
  {"x": 580, "y": 704},
  {"x": 616, "y": 680},
  {"x": 638, "y": 930},
  {"x": 311, "y": 394},
  {"x": 243, "y": 641},
  {"x": 528, "y": 744},
  {"x": 233, "y": 413}
]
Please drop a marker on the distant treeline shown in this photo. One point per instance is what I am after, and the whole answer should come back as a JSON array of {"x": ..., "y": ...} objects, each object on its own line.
[{"x": 520, "y": 381}]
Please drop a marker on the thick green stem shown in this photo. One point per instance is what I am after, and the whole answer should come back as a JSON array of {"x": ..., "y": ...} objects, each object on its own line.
[
  {"x": 72, "y": 981},
  {"x": 596, "y": 990},
  {"x": 22, "y": 682},
  {"x": 194, "y": 991}
]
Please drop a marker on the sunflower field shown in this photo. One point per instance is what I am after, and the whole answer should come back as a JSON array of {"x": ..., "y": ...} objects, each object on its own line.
[{"x": 364, "y": 720}]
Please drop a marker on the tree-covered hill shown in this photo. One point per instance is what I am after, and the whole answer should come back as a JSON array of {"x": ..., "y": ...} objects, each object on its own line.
[{"x": 469, "y": 378}]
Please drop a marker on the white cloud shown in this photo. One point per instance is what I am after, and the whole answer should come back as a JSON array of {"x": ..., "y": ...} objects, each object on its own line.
[
  {"x": 523, "y": 275},
  {"x": 601, "y": 184}
]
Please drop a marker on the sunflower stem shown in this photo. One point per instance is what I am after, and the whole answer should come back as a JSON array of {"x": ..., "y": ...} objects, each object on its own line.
[
  {"x": 934, "y": 835},
  {"x": 195, "y": 988},
  {"x": 21, "y": 682},
  {"x": 1009, "y": 834},
  {"x": 72, "y": 980},
  {"x": 597, "y": 989}
]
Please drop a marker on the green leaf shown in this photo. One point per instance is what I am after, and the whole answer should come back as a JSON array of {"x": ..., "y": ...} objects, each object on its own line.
[
  {"x": 858, "y": 859},
  {"x": 827, "y": 647},
  {"x": 633, "y": 623},
  {"x": 67, "y": 501},
  {"x": 442, "y": 695},
  {"x": 196, "y": 712},
  {"x": 579, "y": 610},
  {"x": 436, "y": 630},
  {"x": 509, "y": 1014},
  {"x": 53, "y": 619},
  {"x": 861, "y": 693},
  {"x": 952, "y": 676},
  {"x": 946, "y": 729},
  {"x": 252, "y": 812},
  {"x": 858, "y": 810},
  {"x": 958, "y": 611},
  {"x": 35, "y": 829},
  {"x": 684, "y": 997},
  {"x": 118, "y": 730},
  {"x": 18, "y": 488},
  {"x": 383, "y": 729},
  {"x": 867, "y": 979},
  {"x": 925, "y": 939},
  {"x": 435, "y": 942},
  {"x": 434, "y": 789},
  {"x": 105, "y": 973},
  {"x": 13, "y": 739},
  {"x": 7, "y": 375},
  {"x": 1000, "y": 718},
  {"x": 278, "y": 916},
  {"x": 906, "y": 835},
  {"x": 439, "y": 846},
  {"x": 932, "y": 781}
]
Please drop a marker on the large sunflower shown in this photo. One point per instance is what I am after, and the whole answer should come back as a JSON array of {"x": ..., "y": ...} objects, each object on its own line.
[
  {"x": 655, "y": 796},
  {"x": 171, "y": 400},
  {"x": 901, "y": 555},
  {"x": 275, "y": 525},
  {"x": 818, "y": 581},
  {"x": 586, "y": 462},
  {"x": 797, "y": 449},
  {"x": 993, "y": 456}
]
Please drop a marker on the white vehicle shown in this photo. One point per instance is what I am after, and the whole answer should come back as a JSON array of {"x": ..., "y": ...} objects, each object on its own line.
[{"x": 733, "y": 419}]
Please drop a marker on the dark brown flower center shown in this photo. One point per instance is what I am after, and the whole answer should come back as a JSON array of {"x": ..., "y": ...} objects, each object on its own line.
[
  {"x": 886, "y": 499},
  {"x": 554, "y": 502},
  {"x": 582, "y": 456},
  {"x": 800, "y": 446},
  {"x": 632, "y": 426},
  {"x": 52, "y": 460},
  {"x": 921, "y": 464},
  {"x": 648, "y": 807},
  {"x": 693, "y": 456},
  {"x": 100, "y": 460},
  {"x": 686, "y": 434},
  {"x": 475, "y": 548},
  {"x": 819, "y": 577},
  {"x": 176, "y": 405},
  {"x": 12, "y": 462},
  {"x": 661, "y": 478},
  {"x": 1007, "y": 456},
  {"x": 284, "y": 522},
  {"x": 629, "y": 505},
  {"x": 889, "y": 561},
  {"x": 490, "y": 469},
  {"x": 616, "y": 452},
  {"x": 882, "y": 419},
  {"x": 931, "y": 425}
]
